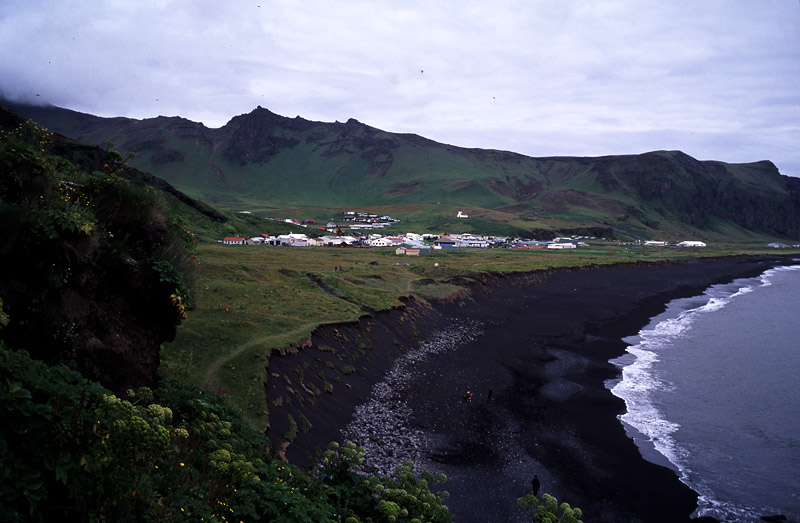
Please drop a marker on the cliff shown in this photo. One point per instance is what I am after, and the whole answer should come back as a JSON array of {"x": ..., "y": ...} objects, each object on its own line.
[{"x": 96, "y": 272}]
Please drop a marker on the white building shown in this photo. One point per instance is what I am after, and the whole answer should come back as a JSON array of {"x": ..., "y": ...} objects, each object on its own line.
[
  {"x": 381, "y": 242},
  {"x": 691, "y": 243},
  {"x": 234, "y": 240},
  {"x": 332, "y": 241},
  {"x": 293, "y": 239},
  {"x": 476, "y": 243}
]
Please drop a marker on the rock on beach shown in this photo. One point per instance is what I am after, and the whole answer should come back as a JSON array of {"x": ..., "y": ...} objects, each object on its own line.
[{"x": 382, "y": 424}]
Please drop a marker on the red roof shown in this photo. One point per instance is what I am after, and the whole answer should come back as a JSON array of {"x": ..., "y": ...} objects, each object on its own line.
[{"x": 233, "y": 239}]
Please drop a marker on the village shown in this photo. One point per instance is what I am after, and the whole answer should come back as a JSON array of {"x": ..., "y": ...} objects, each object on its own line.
[
  {"x": 356, "y": 226},
  {"x": 353, "y": 232}
]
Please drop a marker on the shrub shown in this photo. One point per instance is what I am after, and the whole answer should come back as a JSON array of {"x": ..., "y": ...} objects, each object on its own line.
[
  {"x": 548, "y": 510},
  {"x": 72, "y": 451},
  {"x": 404, "y": 498}
]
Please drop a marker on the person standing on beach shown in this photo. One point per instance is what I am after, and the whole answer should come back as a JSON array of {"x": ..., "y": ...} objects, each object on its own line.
[{"x": 535, "y": 485}]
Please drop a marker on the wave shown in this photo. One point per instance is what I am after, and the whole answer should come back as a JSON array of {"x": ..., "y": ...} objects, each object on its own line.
[
  {"x": 767, "y": 277},
  {"x": 639, "y": 379}
]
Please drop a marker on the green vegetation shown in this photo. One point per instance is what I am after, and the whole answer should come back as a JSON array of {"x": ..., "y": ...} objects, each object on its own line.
[
  {"x": 233, "y": 224},
  {"x": 547, "y": 510},
  {"x": 265, "y": 163},
  {"x": 252, "y": 300},
  {"x": 97, "y": 268},
  {"x": 72, "y": 451},
  {"x": 100, "y": 267},
  {"x": 79, "y": 246}
]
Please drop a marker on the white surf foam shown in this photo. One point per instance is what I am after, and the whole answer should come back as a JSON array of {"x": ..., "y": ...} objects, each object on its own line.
[{"x": 639, "y": 378}]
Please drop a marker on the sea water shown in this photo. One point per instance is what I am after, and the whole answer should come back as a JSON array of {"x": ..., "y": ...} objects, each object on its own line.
[{"x": 712, "y": 389}]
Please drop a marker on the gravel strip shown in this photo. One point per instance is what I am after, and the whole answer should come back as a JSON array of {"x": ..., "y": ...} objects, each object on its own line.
[{"x": 381, "y": 425}]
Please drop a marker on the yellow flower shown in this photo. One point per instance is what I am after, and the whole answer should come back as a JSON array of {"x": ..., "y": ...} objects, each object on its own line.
[{"x": 182, "y": 463}]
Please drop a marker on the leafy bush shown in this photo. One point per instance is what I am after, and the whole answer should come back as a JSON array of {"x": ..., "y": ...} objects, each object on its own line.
[
  {"x": 72, "y": 451},
  {"x": 409, "y": 499},
  {"x": 548, "y": 510},
  {"x": 406, "y": 498}
]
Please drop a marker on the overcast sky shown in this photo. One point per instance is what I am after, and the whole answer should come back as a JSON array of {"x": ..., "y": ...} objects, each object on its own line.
[{"x": 719, "y": 80}]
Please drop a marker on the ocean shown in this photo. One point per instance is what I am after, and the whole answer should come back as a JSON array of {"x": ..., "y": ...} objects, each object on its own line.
[{"x": 712, "y": 389}]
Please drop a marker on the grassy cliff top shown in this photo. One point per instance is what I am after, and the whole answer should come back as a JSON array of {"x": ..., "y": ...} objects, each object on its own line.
[{"x": 252, "y": 300}]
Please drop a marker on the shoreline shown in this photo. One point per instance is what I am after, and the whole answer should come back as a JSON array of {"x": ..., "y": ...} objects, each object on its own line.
[
  {"x": 545, "y": 352},
  {"x": 704, "y": 389}
]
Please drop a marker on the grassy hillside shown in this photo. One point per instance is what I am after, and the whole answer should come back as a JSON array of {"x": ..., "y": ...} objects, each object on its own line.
[{"x": 265, "y": 161}]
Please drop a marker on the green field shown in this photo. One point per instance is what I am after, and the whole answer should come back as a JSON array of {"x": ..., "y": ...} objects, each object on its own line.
[{"x": 252, "y": 300}]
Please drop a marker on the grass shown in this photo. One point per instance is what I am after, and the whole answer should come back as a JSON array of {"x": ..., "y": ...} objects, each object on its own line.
[
  {"x": 252, "y": 300},
  {"x": 319, "y": 168}
]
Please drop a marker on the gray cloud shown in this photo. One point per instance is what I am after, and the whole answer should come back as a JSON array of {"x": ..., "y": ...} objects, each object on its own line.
[{"x": 717, "y": 79}]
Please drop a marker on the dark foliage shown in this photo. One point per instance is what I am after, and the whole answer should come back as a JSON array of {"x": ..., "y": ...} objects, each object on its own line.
[{"x": 96, "y": 271}]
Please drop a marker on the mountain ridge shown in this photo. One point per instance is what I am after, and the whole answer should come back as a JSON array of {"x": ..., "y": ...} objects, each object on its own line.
[{"x": 262, "y": 160}]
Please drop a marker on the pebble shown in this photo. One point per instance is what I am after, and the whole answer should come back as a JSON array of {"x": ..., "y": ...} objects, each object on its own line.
[{"x": 381, "y": 425}]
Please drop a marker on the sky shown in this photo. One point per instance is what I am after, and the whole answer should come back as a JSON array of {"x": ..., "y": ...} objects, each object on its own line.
[{"x": 716, "y": 79}]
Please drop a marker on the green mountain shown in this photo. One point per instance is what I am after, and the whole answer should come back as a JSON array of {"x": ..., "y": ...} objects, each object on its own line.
[{"x": 265, "y": 162}]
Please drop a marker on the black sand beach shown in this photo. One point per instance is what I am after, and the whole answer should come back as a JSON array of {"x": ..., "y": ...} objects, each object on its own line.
[{"x": 544, "y": 353}]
